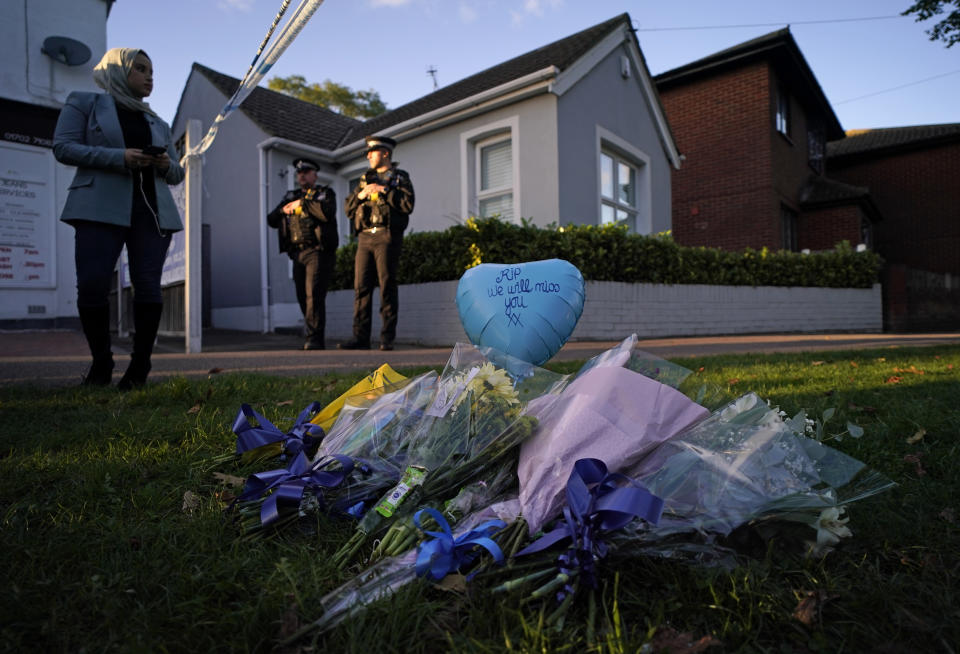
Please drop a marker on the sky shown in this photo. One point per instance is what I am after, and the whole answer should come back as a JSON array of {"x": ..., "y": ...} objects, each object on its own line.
[{"x": 877, "y": 69}]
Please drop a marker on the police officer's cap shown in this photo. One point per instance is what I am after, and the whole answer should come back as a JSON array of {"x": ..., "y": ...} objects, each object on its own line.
[
  {"x": 303, "y": 163},
  {"x": 381, "y": 143}
]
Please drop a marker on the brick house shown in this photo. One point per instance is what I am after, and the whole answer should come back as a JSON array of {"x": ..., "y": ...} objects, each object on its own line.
[
  {"x": 752, "y": 123},
  {"x": 912, "y": 175}
]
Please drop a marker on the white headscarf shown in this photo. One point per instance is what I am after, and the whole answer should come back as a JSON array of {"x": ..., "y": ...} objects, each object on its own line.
[{"x": 111, "y": 76}]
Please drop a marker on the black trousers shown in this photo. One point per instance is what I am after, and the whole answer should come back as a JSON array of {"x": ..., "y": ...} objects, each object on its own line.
[
  {"x": 98, "y": 246},
  {"x": 378, "y": 257},
  {"x": 312, "y": 271}
]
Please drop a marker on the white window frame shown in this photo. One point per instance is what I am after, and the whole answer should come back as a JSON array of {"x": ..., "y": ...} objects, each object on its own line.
[
  {"x": 622, "y": 151},
  {"x": 470, "y": 143},
  {"x": 498, "y": 191}
]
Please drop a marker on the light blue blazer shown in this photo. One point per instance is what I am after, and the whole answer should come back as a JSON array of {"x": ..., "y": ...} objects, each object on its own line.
[{"x": 88, "y": 136}]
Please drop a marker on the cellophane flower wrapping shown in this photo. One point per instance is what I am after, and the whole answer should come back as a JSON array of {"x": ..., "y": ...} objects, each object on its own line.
[
  {"x": 744, "y": 463},
  {"x": 609, "y": 413},
  {"x": 372, "y": 429}
]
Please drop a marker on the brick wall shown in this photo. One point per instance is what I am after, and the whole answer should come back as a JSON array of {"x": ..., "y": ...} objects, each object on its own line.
[
  {"x": 824, "y": 228},
  {"x": 723, "y": 192},
  {"x": 614, "y": 310},
  {"x": 918, "y": 195}
]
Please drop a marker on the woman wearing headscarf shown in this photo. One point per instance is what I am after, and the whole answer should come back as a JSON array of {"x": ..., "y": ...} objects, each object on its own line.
[{"x": 120, "y": 195}]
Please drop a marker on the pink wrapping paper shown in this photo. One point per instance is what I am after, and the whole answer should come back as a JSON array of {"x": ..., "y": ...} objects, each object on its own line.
[{"x": 608, "y": 413}]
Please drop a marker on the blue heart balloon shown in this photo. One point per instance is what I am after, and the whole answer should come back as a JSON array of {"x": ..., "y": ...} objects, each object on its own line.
[{"x": 527, "y": 310}]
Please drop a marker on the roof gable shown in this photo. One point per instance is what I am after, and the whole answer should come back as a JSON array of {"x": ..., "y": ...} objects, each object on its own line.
[
  {"x": 781, "y": 50},
  {"x": 560, "y": 54},
  {"x": 282, "y": 115}
]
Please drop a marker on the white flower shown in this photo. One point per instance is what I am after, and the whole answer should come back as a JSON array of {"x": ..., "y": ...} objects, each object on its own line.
[{"x": 830, "y": 529}]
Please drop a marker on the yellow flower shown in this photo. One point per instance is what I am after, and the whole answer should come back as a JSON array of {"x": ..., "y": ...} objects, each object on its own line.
[{"x": 489, "y": 381}]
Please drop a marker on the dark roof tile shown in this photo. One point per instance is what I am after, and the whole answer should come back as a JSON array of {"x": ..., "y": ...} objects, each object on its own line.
[
  {"x": 560, "y": 53},
  {"x": 876, "y": 141},
  {"x": 284, "y": 116}
]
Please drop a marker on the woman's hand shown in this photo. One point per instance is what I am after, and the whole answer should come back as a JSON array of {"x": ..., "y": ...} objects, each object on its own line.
[{"x": 136, "y": 159}]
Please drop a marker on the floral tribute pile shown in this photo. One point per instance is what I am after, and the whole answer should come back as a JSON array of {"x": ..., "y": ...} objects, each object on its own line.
[{"x": 506, "y": 474}]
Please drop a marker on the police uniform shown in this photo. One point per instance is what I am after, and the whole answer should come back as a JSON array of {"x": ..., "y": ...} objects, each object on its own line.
[
  {"x": 309, "y": 237},
  {"x": 378, "y": 221}
]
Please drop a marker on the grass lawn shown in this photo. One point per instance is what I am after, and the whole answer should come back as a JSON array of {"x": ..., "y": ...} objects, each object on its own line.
[{"x": 101, "y": 555}]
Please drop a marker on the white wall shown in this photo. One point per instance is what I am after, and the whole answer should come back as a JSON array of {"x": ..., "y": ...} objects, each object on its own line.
[
  {"x": 29, "y": 76},
  {"x": 613, "y": 310}
]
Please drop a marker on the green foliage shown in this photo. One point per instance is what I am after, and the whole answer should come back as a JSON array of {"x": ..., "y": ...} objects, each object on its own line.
[
  {"x": 335, "y": 97},
  {"x": 947, "y": 29},
  {"x": 611, "y": 253}
]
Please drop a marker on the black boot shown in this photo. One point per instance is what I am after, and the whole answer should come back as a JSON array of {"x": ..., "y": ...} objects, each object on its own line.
[
  {"x": 146, "y": 321},
  {"x": 96, "y": 327}
]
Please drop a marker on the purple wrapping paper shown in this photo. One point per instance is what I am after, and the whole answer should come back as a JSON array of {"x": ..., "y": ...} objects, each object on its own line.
[{"x": 608, "y": 413}]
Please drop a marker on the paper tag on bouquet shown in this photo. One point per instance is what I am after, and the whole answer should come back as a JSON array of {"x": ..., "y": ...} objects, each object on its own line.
[
  {"x": 412, "y": 477},
  {"x": 447, "y": 397}
]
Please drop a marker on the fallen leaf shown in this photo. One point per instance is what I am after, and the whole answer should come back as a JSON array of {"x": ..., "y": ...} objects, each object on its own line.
[
  {"x": 948, "y": 514},
  {"x": 225, "y": 496},
  {"x": 881, "y": 358},
  {"x": 936, "y": 356},
  {"x": 733, "y": 382},
  {"x": 699, "y": 370},
  {"x": 854, "y": 364},
  {"x": 229, "y": 480},
  {"x": 810, "y": 606},
  {"x": 455, "y": 583},
  {"x": 214, "y": 371},
  {"x": 949, "y": 366},
  {"x": 916, "y": 437},
  {"x": 911, "y": 369},
  {"x": 191, "y": 502},
  {"x": 817, "y": 363},
  {"x": 195, "y": 408},
  {"x": 893, "y": 380},
  {"x": 285, "y": 403},
  {"x": 672, "y": 641}
]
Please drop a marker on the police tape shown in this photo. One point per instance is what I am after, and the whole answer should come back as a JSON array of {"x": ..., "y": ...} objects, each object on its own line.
[{"x": 257, "y": 71}]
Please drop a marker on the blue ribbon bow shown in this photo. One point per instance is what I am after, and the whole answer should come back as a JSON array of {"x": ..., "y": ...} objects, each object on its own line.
[
  {"x": 289, "y": 484},
  {"x": 302, "y": 436},
  {"x": 596, "y": 503},
  {"x": 445, "y": 554}
]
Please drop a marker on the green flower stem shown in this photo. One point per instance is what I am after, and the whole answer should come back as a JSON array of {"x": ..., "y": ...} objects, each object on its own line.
[
  {"x": 552, "y": 585},
  {"x": 513, "y": 584}
]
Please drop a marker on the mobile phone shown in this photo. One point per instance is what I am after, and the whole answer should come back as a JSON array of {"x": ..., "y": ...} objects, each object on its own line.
[{"x": 154, "y": 150}]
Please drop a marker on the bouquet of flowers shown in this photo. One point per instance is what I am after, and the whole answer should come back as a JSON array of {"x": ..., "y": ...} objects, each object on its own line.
[
  {"x": 362, "y": 455},
  {"x": 475, "y": 421},
  {"x": 743, "y": 464}
]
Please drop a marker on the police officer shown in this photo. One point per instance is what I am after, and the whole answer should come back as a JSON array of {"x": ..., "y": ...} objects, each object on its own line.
[
  {"x": 379, "y": 210},
  {"x": 306, "y": 220}
]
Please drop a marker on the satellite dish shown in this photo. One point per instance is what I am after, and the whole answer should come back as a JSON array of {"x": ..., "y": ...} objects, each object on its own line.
[{"x": 66, "y": 50}]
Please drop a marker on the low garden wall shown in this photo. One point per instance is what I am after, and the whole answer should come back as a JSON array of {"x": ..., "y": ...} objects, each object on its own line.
[{"x": 614, "y": 310}]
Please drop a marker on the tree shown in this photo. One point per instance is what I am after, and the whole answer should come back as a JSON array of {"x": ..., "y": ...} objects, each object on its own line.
[
  {"x": 948, "y": 29},
  {"x": 333, "y": 96}
]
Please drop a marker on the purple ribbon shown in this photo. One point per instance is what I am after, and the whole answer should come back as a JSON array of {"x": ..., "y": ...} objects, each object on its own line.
[
  {"x": 289, "y": 484},
  {"x": 597, "y": 502},
  {"x": 445, "y": 554},
  {"x": 304, "y": 435}
]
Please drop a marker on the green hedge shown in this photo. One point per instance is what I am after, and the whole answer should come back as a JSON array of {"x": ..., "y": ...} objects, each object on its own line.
[{"x": 612, "y": 253}]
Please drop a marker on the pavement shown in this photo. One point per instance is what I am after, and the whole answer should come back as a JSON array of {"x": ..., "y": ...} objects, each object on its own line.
[{"x": 61, "y": 358}]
